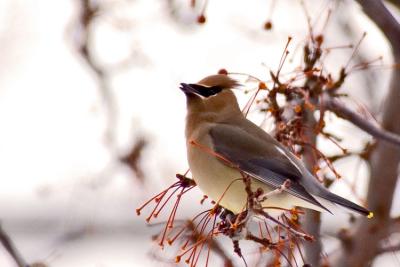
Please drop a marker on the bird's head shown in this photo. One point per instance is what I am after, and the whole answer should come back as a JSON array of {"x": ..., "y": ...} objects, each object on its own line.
[{"x": 211, "y": 94}]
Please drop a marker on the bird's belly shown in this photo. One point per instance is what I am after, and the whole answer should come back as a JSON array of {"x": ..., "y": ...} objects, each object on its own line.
[
  {"x": 224, "y": 184},
  {"x": 219, "y": 182}
]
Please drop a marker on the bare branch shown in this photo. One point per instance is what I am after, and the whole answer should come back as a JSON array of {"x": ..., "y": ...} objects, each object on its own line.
[
  {"x": 381, "y": 16},
  {"x": 385, "y": 249},
  {"x": 312, "y": 220},
  {"x": 394, "y": 226},
  {"x": 11, "y": 249},
  {"x": 395, "y": 3},
  {"x": 132, "y": 159},
  {"x": 87, "y": 15},
  {"x": 343, "y": 112}
]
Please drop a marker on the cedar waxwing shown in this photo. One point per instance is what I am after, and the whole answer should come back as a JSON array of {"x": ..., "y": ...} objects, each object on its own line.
[{"x": 219, "y": 138}]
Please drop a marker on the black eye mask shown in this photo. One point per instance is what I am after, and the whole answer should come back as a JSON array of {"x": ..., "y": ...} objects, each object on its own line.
[{"x": 200, "y": 90}]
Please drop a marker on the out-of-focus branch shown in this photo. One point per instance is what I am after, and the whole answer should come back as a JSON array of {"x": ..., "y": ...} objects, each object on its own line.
[
  {"x": 396, "y": 3},
  {"x": 88, "y": 13},
  {"x": 343, "y": 112},
  {"x": 394, "y": 226},
  {"x": 132, "y": 159},
  {"x": 381, "y": 16},
  {"x": 11, "y": 249},
  {"x": 386, "y": 249},
  {"x": 365, "y": 239},
  {"x": 368, "y": 78}
]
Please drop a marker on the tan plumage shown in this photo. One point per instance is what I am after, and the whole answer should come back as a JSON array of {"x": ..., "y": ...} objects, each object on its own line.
[{"x": 216, "y": 125}]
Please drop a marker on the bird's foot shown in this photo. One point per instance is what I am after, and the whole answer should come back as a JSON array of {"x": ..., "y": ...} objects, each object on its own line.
[{"x": 234, "y": 225}]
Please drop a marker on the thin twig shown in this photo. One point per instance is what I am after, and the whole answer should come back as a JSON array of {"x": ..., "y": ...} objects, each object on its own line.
[{"x": 287, "y": 227}]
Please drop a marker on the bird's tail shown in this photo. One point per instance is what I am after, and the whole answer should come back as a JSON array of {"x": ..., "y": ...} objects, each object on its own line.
[{"x": 345, "y": 203}]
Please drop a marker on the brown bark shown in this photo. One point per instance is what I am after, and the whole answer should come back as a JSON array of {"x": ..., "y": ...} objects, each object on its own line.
[
  {"x": 312, "y": 226},
  {"x": 312, "y": 220}
]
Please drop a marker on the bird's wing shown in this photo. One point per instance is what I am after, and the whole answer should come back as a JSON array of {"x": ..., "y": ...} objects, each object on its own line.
[{"x": 263, "y": 161}]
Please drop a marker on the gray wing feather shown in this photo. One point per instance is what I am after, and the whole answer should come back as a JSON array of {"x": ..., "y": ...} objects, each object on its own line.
[{"x": 259, "y": 159}]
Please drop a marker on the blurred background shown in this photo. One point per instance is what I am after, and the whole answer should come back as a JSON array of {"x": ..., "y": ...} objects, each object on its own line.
[{"x": 92, "y": 120}]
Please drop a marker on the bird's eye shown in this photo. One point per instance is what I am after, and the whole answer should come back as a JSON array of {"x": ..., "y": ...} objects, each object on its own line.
[{"x": 206, "y": 91}]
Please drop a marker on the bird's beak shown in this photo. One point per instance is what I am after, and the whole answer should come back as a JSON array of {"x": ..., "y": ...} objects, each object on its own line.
[
  {"x": 204, "y": 91},
  {"x": 189, "y": 88}
]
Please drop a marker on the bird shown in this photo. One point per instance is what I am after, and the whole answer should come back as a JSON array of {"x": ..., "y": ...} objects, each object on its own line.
[{"x": 223, "y": 145}]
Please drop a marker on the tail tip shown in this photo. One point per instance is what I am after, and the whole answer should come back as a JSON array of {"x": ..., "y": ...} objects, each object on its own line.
[{"x": 370, "y": 215}]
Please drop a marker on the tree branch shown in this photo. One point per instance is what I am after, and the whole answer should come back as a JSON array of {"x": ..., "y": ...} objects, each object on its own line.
[
  {"x": 385, "y": 249},
  {"x": 394, "y": 226},
  {"x": 312, "y": 221},
  {"x": 345, "y": 113},
  {"x": 381, "y": 16},
  {"x": 11, "y": 249},
  {"x": 394, "y": 2},
  {"x": 88, "y": 12}
]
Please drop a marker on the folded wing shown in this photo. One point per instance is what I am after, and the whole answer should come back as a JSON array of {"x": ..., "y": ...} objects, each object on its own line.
[{"x": 262, "y": 161}]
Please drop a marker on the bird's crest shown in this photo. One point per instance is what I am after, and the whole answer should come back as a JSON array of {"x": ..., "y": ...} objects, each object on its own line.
[{"x": 220, "y": 80}]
